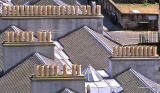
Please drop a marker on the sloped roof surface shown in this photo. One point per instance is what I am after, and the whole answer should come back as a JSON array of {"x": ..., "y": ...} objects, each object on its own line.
[
  {"x": 91, "y": 74},
  {"x": 17, "y": 80},
  {"x": 152, "y": 84},
  {"x": 46, "y": 2},
  {"x": 131, "y": 37},
  {"x": 83, "y": 48},
  {"x": 21, "y": 2},
  {"x": 131, "y": 83}
]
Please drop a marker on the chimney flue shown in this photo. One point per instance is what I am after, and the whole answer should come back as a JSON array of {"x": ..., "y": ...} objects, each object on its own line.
[
  {"x": 39, "y": 35},
  {"x": 17, "y": 36},
  {"x": 65, "y": 69},
  {"x": 73, "y": 70},
  {"x": 51, "y": 69},
  {"x": 7, "y": 36},
  {"x": 56, "y": 70},
  {"x": 78, "y": 70},
  {"x": 46, "y": 70}
]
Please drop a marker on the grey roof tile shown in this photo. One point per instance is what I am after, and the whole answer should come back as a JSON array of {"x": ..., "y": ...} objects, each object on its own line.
[
  {"x": 17, "y": 80},
  {"x": 131, "y": 37},
  {"x": 83, "y": 48},
  {"x": 132, "y": 83}
]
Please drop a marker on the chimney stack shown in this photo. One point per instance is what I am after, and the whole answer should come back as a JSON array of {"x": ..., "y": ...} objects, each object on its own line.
[{"x": 135, "y": 51}]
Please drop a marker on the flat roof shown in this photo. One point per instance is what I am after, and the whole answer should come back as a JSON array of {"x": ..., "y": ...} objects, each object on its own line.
[{"x": 145, "y": 9}]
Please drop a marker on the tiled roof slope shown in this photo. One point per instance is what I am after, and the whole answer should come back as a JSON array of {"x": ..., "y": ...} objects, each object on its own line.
[
  {"x": 46, "y": 2},
  {"x": 70, "y": 2},
  {"x": 110, "y": 44},
  {"x": 152, "y": 84},
  {"x": 21, "y": 2},
  {"x": 132, "y": 83},
  {"x": 83, "y": 48},
  {"x": 17, "y": 80}
]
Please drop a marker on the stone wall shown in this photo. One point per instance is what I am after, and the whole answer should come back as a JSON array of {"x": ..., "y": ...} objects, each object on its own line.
[{"x": 128, "y": 20}]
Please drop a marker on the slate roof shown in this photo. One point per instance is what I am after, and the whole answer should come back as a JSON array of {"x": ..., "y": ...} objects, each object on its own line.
[
  {"x": 21, "y": 2},
  {"x": 132, "y": 83},
  {"x": 17, "y": 80},
  {"x": 85, "y": 47},
  {"x": 131, "y": 37},
  {"x": 152, "y": 84},
  {"x": 46, "y": 2}
]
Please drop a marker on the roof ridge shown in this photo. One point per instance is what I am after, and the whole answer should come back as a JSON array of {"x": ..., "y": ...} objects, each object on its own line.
[{"x": 134, "y": 72}]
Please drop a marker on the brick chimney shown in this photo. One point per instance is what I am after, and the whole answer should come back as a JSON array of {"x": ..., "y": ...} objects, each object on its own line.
[
  {"x": 47, "y": 79},
  {"x": 20, "y": 45}
]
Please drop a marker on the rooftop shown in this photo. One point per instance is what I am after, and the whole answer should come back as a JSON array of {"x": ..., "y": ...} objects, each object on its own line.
[
  {"x": 145, "y": 9},
  {"x": 132, "y": 83},
  {"x": 93, "y": 51}
]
